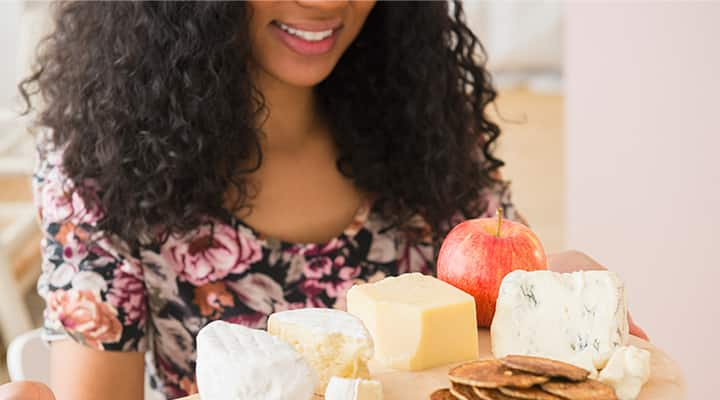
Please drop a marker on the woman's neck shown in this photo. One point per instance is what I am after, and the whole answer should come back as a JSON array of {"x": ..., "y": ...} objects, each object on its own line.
[{"x": 292, "y": 115}]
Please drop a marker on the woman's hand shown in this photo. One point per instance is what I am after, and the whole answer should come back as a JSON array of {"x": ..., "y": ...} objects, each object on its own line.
[
  {"x": 25, "y": 390},
  {"x": 570, "y": 261}
]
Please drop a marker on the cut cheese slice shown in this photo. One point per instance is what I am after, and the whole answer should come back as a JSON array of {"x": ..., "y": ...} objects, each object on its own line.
[
  {"x": 334, "y": 342},
  {"x": 416, "y": 321},
  {"x": 239, "y": 363},
  {"x": 579, "y": 318},
  {"x": 627, "y": 371},
  {"x": 353, "y": 389}
]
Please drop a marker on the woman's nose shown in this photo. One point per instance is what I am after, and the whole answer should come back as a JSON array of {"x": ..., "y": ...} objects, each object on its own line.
[{"x": 323, "y": 4}]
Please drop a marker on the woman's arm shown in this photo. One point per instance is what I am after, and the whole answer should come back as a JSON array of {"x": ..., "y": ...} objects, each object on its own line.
[
  {"x": 80, "y": 373},
  {"x": 573, "y": 260},
  {"x": 93, "y": 286}
]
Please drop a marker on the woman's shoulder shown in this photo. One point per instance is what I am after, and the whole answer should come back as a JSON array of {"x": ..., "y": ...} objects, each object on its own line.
[{"x": 57, "y": 197}]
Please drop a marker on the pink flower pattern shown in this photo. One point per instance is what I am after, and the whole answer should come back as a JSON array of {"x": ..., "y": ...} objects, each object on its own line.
[
  {"x": 109, "y": 296},
  {"x": 84, "y": 315},
  {"x": 60, "y": 201},
  {"x": 211, "y": 253},
  {"x": 128, "y": 293}
]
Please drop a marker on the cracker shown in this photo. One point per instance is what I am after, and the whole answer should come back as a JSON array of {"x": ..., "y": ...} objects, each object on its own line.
[
  {"x": 545, "y": 367},
  {"x": 490, "y": 394},
  {"x": 463, "y": 392},
  {"x": 586, "y": 390},
  {"x": 492, "y": 374},
  {"x": 533, "y": 393},
  {"x": 442, "y": 394}
]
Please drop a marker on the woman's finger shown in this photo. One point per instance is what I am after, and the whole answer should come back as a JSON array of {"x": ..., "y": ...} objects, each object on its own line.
[
  {"x": 636, "y": 330},
  {"x": 25, "y": 390}
]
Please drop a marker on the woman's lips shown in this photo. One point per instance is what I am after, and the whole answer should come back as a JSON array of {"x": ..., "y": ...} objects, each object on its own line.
[{"x": 307, "y": 47}]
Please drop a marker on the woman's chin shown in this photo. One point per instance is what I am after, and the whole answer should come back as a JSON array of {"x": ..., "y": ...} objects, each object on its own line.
[
  {"x": 306, "y": 74},
  {"x": 305, "y": 78}
]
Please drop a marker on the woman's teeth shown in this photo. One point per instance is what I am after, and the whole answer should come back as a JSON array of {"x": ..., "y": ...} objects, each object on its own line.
[{"x": 306, "y": 35}]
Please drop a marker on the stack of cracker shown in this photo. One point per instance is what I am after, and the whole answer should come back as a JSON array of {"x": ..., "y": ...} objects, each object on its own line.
[{"x": 524, "y": 378}]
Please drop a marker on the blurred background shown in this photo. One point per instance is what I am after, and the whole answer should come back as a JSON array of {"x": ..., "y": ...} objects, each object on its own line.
[{"x": 610, "y": 134}]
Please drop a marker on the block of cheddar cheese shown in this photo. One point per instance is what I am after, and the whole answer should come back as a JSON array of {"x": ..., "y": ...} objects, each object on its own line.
[{"x": 416, "y": 321}]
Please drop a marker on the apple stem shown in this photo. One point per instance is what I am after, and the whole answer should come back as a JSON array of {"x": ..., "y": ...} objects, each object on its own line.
[{"x": 499, "y": 213}]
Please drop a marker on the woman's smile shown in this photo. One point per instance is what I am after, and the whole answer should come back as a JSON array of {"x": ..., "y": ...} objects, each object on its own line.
[{"x": 308, "y": 38}]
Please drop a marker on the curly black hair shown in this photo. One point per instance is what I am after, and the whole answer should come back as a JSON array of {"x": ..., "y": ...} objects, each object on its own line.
[{"x": 153, "y": 101}]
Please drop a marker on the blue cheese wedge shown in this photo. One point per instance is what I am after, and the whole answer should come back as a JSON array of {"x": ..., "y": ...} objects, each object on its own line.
[
  {"x": 239, "y": 363},
  {"x": 579, "y": 318},
  {"x": 353, "y": 389},
  {"x": 627, "y": 371}
]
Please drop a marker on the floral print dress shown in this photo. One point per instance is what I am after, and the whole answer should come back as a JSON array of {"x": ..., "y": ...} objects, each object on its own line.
[{"x": 155, "y": 298}]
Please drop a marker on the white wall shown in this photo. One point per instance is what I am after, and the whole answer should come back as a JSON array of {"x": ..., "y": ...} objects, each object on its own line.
[
  {"x": 518, "y": 36},
  {"x": 643, "y": 165},
  {"x": 22, "y": 24},
  {"x": 10, "y": 12}
]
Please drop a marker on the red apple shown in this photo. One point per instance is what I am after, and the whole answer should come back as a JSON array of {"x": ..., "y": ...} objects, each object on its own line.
[{"x": 477, "y": 254}]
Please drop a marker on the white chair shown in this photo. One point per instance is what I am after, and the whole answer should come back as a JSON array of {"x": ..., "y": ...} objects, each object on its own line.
[
  {"x": 18, "y": 229},
  {"x": 28, "y": 358},
  {"x": 16, "y": 144},
  {"x": 22, "y": 23},
  {"x": 15, "y": 316}
]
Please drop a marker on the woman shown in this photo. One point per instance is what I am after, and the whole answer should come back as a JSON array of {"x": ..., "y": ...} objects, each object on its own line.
[{"x": 228, "y": 160}]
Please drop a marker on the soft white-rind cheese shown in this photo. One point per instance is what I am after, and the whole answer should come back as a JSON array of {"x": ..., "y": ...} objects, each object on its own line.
[
  {"x": 334, "y": 342},
  {"x": 239, "y": 363},
  {"x": 353, "y": 389},
  {"x": 627, "y": 371},
  {"x": 579, "y": 318}
]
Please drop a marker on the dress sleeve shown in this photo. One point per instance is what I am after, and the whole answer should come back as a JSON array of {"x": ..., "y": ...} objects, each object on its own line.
[{"x": 93, "y": 287}]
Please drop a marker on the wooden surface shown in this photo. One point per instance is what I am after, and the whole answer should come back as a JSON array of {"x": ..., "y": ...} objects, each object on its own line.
[
  {"x": 666, "y": 382},
  {"x": 532, "y": 144}
]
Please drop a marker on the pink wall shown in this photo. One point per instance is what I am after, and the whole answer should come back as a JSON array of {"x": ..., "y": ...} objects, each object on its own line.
[{"x": 643, "y": 166}]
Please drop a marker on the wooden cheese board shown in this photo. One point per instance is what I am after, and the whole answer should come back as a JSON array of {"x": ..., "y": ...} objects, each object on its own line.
[{"x": 666, "y": 381}]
